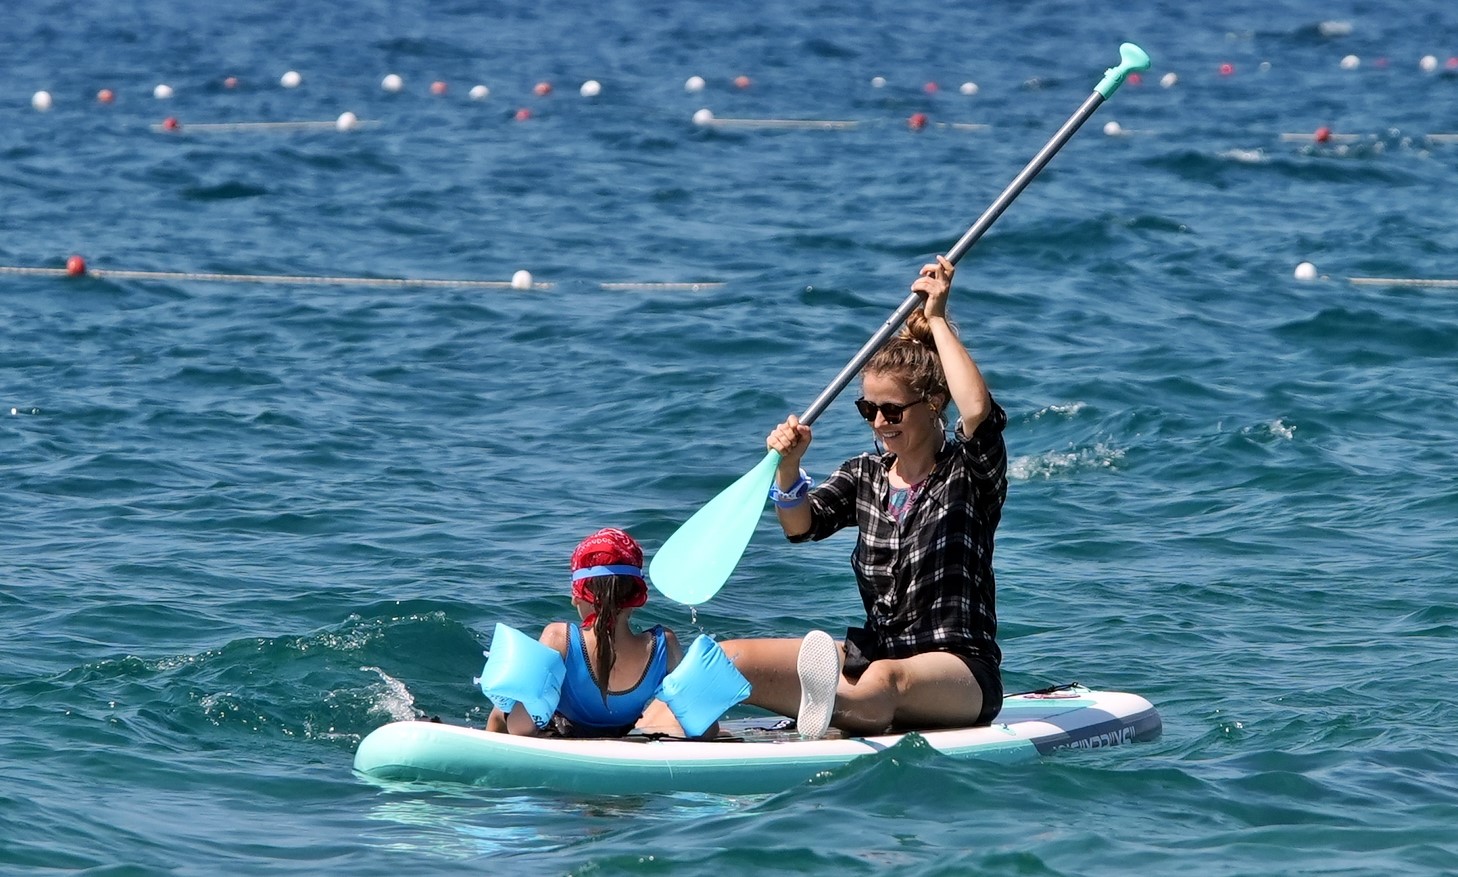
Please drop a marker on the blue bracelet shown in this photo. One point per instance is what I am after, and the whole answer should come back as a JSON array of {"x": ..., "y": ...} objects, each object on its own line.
[{"x": 796, "y": 495}]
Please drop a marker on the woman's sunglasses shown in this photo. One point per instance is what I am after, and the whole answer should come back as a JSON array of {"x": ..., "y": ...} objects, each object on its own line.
[{"x": 889, "y": 410}]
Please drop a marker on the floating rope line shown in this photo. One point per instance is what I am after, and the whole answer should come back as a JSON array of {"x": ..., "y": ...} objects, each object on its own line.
[
  {"x": 1403, "y": 281},
  {"x": 705, "y": 118},
  {"x": 1322, "y": 136},
  {"x": 1307, "y": 271},
  {"x": 345, "y": 122},
  {"x": 522, "y": 280},
  {"x": 77, "y": 270},
  {"x": 688, "y": 286},
  {"x": 1326, "y": 135}
]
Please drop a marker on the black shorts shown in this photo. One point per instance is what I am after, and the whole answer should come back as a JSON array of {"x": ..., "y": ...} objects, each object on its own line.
[{"x": 986, "y": 673}]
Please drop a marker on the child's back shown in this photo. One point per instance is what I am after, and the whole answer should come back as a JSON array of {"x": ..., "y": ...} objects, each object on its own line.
[
  {"x": 611, "y": 679},
  {"x": 641, "y": 660}
]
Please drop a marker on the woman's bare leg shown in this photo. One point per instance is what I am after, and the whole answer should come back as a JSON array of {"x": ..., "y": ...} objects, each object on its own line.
[
  {"x": 930, "y": 690},
  {"x": 927, "y": 691},
  {"x": 769, "y": 665}
]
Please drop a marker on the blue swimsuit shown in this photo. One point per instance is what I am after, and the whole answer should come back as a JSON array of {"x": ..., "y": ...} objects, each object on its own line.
[{"x": 581, "y": 702}]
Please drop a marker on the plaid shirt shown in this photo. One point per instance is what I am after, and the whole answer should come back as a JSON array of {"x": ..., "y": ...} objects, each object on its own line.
[{"x": 927, "y": 581}]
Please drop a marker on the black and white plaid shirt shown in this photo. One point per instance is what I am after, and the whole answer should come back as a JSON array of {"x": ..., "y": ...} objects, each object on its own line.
[{"x": 927, "y": 581}]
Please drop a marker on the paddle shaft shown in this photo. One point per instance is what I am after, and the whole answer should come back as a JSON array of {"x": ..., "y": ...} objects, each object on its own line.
[
  {"x": 699, "y": 557},
  {"x": 958, "y": 250}
]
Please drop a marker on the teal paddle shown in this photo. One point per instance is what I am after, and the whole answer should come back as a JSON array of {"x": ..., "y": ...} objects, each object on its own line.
[{"x": 700, "y": 556}]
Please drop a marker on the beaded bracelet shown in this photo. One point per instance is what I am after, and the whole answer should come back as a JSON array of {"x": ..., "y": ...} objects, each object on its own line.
[{"x": 788, "y": 499}]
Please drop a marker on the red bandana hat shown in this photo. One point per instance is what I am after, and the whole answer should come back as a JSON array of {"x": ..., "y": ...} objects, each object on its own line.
[{"x": 608, "y": 552}]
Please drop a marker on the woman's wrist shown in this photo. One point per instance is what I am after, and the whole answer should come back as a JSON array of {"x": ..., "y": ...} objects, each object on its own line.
[{"x": 793, "y": 496}]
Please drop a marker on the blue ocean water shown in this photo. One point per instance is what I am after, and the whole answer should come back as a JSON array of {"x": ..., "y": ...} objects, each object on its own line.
[{"x": 247, "y": 523}]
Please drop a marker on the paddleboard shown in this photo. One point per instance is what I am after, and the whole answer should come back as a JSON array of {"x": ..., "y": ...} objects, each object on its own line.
[{"x": 751, "y": 756}]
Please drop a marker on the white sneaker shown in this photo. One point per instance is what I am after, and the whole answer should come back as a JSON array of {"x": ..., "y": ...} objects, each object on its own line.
[{"x": 819, "y": 669}]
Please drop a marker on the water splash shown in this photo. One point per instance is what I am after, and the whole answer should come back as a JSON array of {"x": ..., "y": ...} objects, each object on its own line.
[{"x": 1050, "y": 464}]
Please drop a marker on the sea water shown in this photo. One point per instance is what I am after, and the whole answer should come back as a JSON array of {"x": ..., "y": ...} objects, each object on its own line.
[{"x": 246, "y": 523}]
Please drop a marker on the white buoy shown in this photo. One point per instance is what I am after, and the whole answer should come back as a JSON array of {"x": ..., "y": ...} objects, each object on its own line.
[
  {"x": 162, "y": 92},
  {"x": 590, "y": 88},
  {"x": 878, "y": 82},
  {"x": 291, "y": 79},
  {"x": 41, "y": 100},
  {"x": 1168, "y": 80},
  {"x": 968, "y": 88},
  {"x": 1351, "y": 62},
  {"x": 1265, "y": 67},
  {"x": 1428, "y": 64},
  {"x": 1113, "y": 129},
  {"x": 1305, "y": 271},
  {"x": 694, "y": 84},
  {"x": 346, "y": 121},
  {"x": 703, "y": 117},
  {"x": 392, "y": 83},
  {"x": 480, "y": 92},
  {"x": 521, "y": 279}
]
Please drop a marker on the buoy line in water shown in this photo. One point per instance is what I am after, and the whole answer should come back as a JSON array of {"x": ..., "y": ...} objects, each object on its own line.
[
  {"x": 521, "y": 280},
  {"x": 394, "y": 83},
  {"x": 1307, "y": 272},
  {"x": 705, "y": 118},
  {"x": 346, "y": 122}
]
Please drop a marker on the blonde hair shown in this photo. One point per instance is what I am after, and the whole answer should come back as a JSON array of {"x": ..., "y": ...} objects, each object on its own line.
[{"x": 911, "y": 357}]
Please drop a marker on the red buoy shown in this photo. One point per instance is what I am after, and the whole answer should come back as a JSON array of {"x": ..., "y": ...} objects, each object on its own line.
[{"x": 75, "y": 266}]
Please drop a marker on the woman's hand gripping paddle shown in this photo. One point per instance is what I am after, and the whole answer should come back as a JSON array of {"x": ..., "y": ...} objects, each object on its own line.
[{"x": 699, "y": 557}]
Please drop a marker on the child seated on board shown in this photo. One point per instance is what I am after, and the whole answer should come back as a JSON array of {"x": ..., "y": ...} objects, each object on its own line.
[{"x": 601, "y": 678}]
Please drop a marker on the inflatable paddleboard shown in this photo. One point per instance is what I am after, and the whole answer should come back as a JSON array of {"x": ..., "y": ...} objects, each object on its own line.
[{"x": 751, "y": 756}]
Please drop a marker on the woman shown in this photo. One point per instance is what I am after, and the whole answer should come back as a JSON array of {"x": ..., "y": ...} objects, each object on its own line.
[{"x": 926, "y": 510}]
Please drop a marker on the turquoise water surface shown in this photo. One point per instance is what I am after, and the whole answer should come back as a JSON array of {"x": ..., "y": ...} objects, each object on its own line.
[{"x": 247, "y": 523}]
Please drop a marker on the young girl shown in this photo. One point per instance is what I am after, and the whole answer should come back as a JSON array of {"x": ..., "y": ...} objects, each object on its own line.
[{"x": 613, "y": 671}]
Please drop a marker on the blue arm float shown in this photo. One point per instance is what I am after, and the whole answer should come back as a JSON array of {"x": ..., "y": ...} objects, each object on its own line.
[
  {"x": 521, "y": 670},
  {"x": 703, "y": 686}
]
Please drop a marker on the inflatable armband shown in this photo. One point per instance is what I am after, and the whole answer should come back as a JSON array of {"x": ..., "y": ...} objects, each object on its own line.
[
  {"x": 703, "y": 686},
  {"x": 521, "y": 670}
]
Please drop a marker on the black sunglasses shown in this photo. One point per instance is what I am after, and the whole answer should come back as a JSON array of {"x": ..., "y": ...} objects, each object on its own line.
[{"x": 889, "y": 410}]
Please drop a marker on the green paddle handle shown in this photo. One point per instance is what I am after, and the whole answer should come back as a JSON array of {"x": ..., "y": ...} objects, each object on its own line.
[{"x": 1132, "y": 59}]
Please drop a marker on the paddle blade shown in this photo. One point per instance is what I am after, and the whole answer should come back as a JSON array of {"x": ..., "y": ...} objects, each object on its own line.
[{"x": 699, "y": 557}]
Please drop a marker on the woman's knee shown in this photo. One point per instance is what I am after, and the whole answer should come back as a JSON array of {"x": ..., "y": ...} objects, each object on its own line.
[
  {"x": 869, "y": 706},
  {"x": 886, "y": 676}
]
